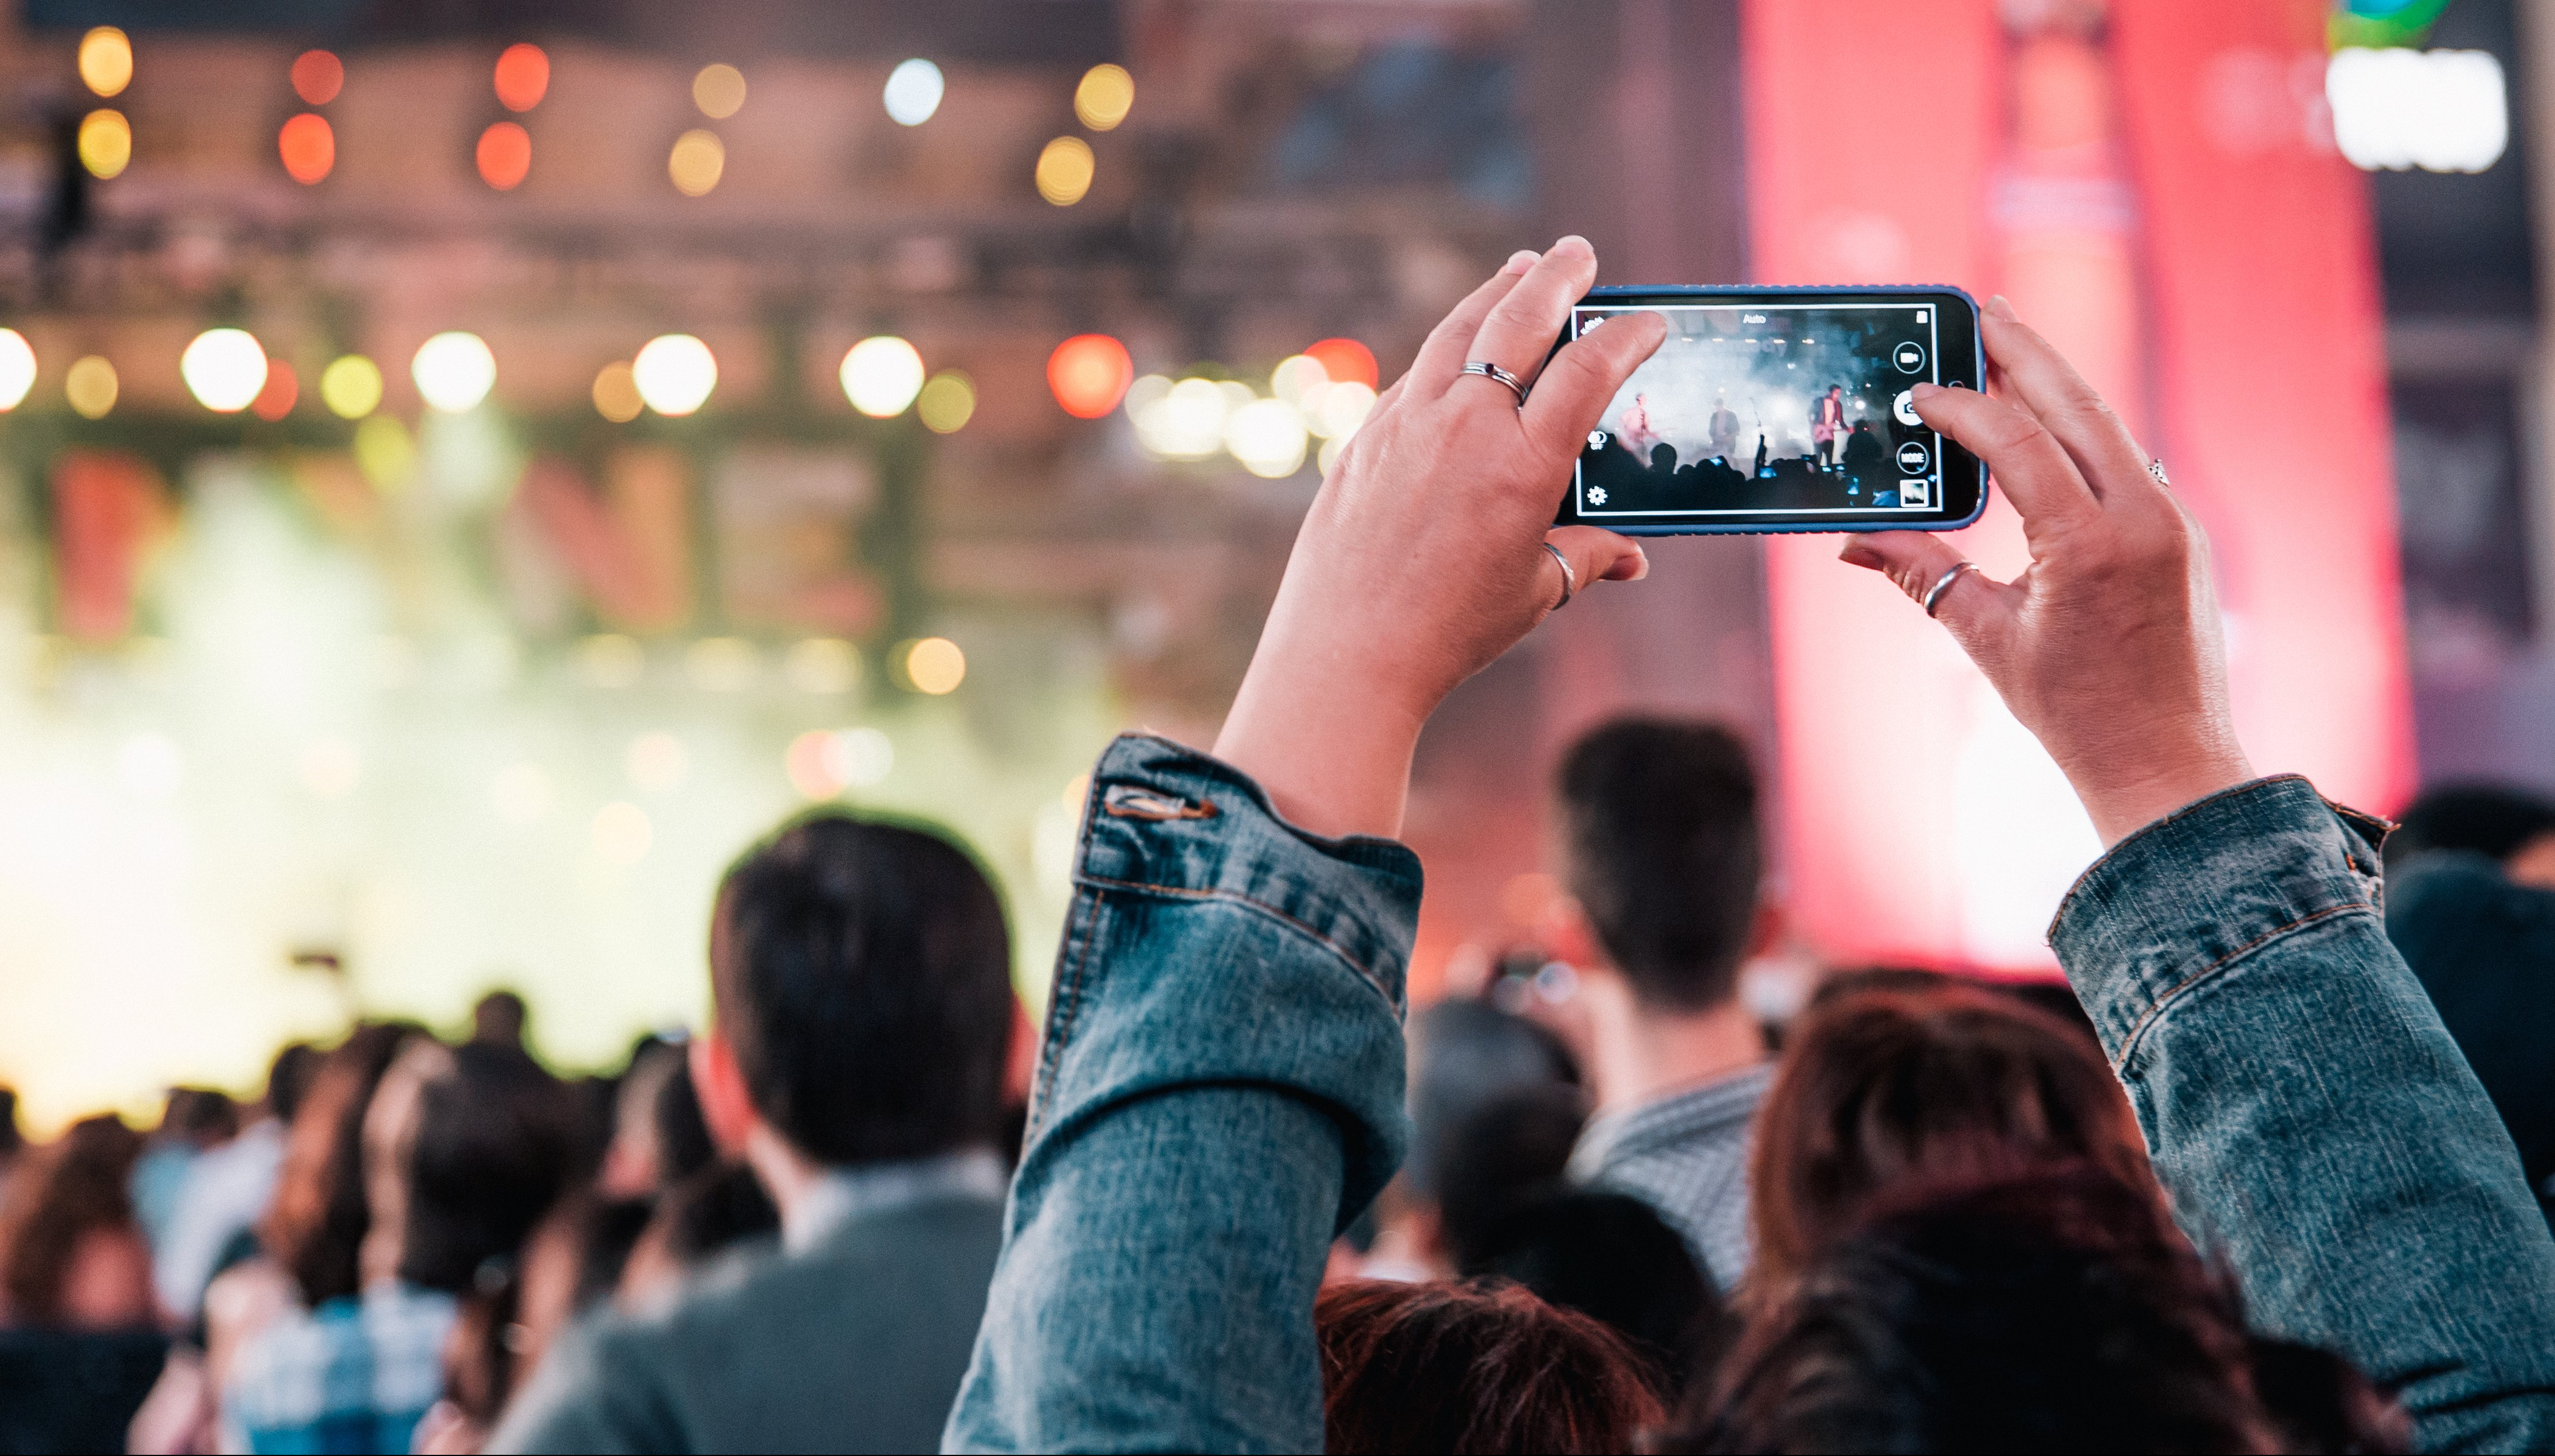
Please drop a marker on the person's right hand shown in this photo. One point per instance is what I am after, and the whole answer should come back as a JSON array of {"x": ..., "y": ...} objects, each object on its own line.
[{"x": 2108, "y": 646}]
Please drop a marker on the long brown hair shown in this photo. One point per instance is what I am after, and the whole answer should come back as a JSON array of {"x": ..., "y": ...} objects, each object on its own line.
[
  {"x": 76, "y": 1185},
  {"x": 1898, "y": 1081},
  {"x": 316, "y": 1226}
]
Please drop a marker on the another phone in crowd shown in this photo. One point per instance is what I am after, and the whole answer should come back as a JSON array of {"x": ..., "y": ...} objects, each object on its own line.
[{"x": 1782, "y": 409}]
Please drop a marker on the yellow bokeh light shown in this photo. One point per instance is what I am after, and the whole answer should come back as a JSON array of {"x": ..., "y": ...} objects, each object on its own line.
[
  {"x": 616, "y": 393},
  {"x": 947, "y": 403},
  {"x": 384, "y": 453},
  {"x": 106, "y": 60},
  {"x": 674, "y": 373},
  {"x": 351, "y": 385},
  {"x": 105, "y": 143},
  {"x": 936, "y": 666},
  {"x": 1104, "y": 97},
  {"x": 880, "y": 376},
  {"x": 719, "y": 90},
  {"x": 696, "y": 162},
  {"x": 91, "y": 387},
  {"x": 1065, "y": 168}
]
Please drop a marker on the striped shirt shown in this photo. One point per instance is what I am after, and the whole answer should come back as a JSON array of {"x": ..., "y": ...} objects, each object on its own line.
[{"x": 1686, "y": 1155}]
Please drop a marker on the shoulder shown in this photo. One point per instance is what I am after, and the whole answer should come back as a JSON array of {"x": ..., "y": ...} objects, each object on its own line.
[{"x": 600, "y": 1387}]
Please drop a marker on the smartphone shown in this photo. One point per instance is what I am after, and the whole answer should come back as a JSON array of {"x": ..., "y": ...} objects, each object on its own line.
[{"x": 1782, "y": 409}]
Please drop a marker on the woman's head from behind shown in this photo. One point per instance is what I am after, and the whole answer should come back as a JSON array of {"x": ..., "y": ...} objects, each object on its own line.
[
  {"x": 1903, "y": 1082},
  {"x": 317, "y": 1220},
  {"x": 1477, "y": 1366},
  {"x": 68, "y": 1190}
]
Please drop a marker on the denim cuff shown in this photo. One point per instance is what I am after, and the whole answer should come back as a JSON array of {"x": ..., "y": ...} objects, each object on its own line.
[{"x": 2203, "y": 888}]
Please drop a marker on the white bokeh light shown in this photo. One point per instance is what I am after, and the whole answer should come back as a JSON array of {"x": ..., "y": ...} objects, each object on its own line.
[
  {"x": 224, "y": 368},
  {"x": 880, "y": 376},
  {"x": 913, "y": 91},
  {"x": 454, "y": 371},
  {"x": 2399, "y": 108},
  {"x": 17, "y": 368},
  {"x": 674, "y": 373}
]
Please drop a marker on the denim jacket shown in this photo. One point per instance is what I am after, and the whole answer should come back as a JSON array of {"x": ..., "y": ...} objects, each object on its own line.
[{"x": 1220, "y": 1088}]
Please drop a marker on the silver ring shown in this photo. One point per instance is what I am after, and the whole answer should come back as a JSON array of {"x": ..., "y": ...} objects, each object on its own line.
[
  {"x": 1944, "y": 583},
  {"x": 1569, "y": 578},
  {"x": 2155, "y": 467},
  {"x": 1487, "y": 369}
]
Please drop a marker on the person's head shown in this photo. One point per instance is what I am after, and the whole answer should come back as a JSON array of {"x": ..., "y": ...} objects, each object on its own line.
[
  {"x": 197, "y": 1117},
  {"x": 1836, "y": 390},
  {"x": 2048, "y": 1308},
  {"x": 314, "y": 1226},
  {"x": 1464, "y": 1055},
  {"x": 1661, "y": 854},
  {"x": 1897, "y": 1083},
  {"x": 1478, "y": 1366},
  {"x": 12, "y": 1136},
  {"x": 465, "y": 1147},
  {"x": 2511, "y": 826},
  {"x": 499, "y": 1019},
  {"x": 63, "y": 1191},
  {"x": 1664, "y": 456},
  {"x": 1611, "y": 1256},
  {"x": 289, "y": 1078},
  {"x": 861, "y": 975},
  {"x": 633, "y": 1163},
  {"x": 716, "y": 1209}
]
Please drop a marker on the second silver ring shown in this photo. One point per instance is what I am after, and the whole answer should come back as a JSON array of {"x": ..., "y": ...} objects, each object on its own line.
[{"x": 1487, "y": 369}]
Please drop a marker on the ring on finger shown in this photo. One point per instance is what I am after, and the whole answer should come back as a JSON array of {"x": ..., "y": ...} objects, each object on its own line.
[
  {"x": 1487, "y": 369},
  {"x": 1943, "y": 583},
  {"x": 1569, "y": 578},
  {"x": 2155, "y": 467}
]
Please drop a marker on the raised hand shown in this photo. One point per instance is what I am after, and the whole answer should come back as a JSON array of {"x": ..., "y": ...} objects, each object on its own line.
[
  {"x": 2108, "y": 646},
  {"x": 1423, "y": 558}
]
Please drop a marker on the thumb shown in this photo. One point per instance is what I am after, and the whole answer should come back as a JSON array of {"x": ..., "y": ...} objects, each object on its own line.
[
  {"x": 1596, "y": 554},
  {"x": 1973, "y": 606}
]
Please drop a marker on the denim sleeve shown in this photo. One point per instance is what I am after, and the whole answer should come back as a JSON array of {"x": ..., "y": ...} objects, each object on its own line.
[
  {"x": 2318, "y": 1131},
  {"x": 1219, "y": 1091}
]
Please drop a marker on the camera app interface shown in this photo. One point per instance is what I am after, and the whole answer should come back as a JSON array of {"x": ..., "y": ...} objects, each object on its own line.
[{"x": 1800, "y": 410}]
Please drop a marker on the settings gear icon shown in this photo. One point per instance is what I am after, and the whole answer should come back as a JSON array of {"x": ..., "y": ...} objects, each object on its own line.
[{"x": 1596, "y": 495}]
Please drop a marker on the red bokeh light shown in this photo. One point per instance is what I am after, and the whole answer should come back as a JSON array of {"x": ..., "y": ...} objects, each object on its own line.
[
  {"x": 276, "y": 399},
  {"x": 318, "y": 77},
  {"x": 505, "y": 155},
  {"x": 308, "y": 147},
  {"x": 523, "y": 76},
  {"x": 1089, "y": 373},
  {"x": 1344, "y": 360}
]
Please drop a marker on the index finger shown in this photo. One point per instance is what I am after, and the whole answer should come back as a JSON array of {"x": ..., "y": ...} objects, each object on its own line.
[{"x": 2037, "y": 475}]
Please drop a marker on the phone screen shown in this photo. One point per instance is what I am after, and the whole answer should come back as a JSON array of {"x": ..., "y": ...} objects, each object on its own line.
[{"x": 1781, "y": 410}]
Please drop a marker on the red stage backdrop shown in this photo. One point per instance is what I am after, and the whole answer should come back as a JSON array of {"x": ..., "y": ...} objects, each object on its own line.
[{"x": 2158, "y": 192}]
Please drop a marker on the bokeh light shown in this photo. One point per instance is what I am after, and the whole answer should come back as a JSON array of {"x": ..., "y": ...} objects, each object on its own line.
[
  {"x": 351, "y": 385},
  {"x": 722, "y": 663},
  {"x": 947, "y": 401},
  {"x": 505, "y": 155},
  {"x": 1089, "y": 374},
  {"x": 308, "y": 147},
  {"x": 318, "y": 77},
  {"x": 622, "y": 832},
  {"x": 934, "y": 665},
  {"x": 1065, "y": 168},
  {"x": 224, "y": 368},
  {"x": 1268, "y": 436},
  {"x": 913, "y": 91},
  {"x": 384, "y": 453},
  {"x": 1104, "y": 97},
  {"x": 454, "y": 371},
  {"x": 880, "y": 376},
  {"x": 824, "y": 667},
  {"x": 696, "y": 162},
  {"x": 611, "y": 659},
  {"x": 1299, "y": 380},
  {"x": 1179, "y": 421},
  {"x": 17, "y": 368},
  {"x": 106, "y": 60},
  {"x": 657, "y": 762},
  {"x": 1345, "y": 362},
  {"x": 281, "y": 392},
  {"x": 674, "y": 373},
  {"x": 810, "y": 762},
  {"x": 523, "y": 76},
  {"x": 616, "y": 393},
  {"x": 1343, "y": 407},
  {"x": 719, "y": 90},
  {"x": 90, "y": 387},
  {"x": 105, "y": 143}
]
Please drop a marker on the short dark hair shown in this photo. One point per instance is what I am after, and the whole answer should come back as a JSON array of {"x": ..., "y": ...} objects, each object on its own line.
[
  {"x": 288, "y": 1079},
  {"x": 1661, "y": 847},
  {"x": 1475, "y": 1366},
  {"x": 1611, "y": 1256},
  {"x": 862, "y": 972},
  {"x": 2489, "y": 819},
  {"x": 500, "y": 1016},
  {"x": 495, "y": 1146}
]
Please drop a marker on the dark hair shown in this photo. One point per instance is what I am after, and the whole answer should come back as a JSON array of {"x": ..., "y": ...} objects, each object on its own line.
[
  {"x": 717, "y": 1207},
  {"x": 494, "y": 1147},
  {"x": 2052, "y": 1308},
  {"x": 288, "y": 1079},
  {"x": 1475, "y": 1366},
  {"x": 1661, "y": 848},
  {"x": 1898, "y": 1082},
  {"x": 200, "y": 1116},
  {"x": 499, "y": 1018},
  {"x": 12, "y": 1136},
  {"x": 1507, "y": 1152},
  {"x": 1465, "y": 1055},
  {"x": 862, "y": 972},
  {"x": 315, "y": 1225},
  {"x": 684, "y": 1145},
  {"x": 1611, "y": 1257},
  {"x": 76, "y": 1185},
  {"x": 2489, "y": 819}
]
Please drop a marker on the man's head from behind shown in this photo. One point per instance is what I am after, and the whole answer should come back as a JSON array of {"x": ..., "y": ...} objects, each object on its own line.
[
  {"x": 1660, "y": 849},
  {"x": 861, "y": 974}
]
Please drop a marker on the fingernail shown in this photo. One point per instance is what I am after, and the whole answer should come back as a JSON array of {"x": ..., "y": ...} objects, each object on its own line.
[
  {"x": 1641, "y": 564},
  {"x": 1925, "y": 389},
  {"x": 2004, "y": 309},
  {"x": 1855, "y": 553},
  {"x": 1573, "y": 243},
  {"x": 1520, "y": 260}
]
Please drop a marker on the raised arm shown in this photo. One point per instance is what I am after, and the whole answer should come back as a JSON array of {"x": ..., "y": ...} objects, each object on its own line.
[{"x": 2317, "y": 1129}]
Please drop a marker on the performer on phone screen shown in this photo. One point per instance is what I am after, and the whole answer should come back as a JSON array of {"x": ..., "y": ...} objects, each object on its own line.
[{"x": 1827, "y": 424}]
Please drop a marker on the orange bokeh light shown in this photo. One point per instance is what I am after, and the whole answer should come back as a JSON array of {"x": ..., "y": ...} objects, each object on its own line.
[
  {"x": 505, "y": 155},
  {"x": 308, "y": 147},
  {"x": 1089, "y": 373},
  {"x": 523, "y": 76},
  {"x": 1344, "y": 360},
  {"x": 275, "y": 399},
  {"x": 317, "y": 76}
]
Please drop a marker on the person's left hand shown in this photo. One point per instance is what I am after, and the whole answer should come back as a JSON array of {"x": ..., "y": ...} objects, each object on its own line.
[{"x": 1423, "y": 557}]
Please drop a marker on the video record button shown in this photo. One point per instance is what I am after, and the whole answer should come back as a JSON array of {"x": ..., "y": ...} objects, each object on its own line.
[{"x": 1909, "y": 357}]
